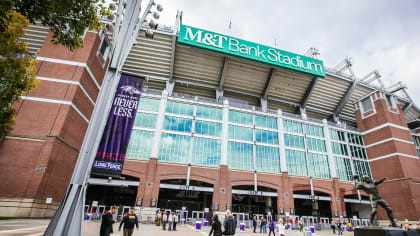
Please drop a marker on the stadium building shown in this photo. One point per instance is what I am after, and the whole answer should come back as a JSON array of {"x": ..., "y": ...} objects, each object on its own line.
[{"x": 223, "y": 123}]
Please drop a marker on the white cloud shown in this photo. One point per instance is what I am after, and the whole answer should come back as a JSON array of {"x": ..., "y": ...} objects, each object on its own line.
[{"x": 377, "y": 34}]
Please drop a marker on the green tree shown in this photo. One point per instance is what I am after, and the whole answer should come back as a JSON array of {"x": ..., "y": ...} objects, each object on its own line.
[
  {"x": 17, "y": 70},
  {"x": 67, "y": 19}
]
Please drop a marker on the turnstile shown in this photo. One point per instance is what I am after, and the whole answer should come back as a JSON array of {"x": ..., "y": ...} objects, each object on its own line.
[
  {"x": 196, "y": 215},
  {"x": 325, "y": 222}
]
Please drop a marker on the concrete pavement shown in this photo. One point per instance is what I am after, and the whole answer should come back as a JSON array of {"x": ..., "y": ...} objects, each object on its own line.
[{"x": 36, "y": 227}]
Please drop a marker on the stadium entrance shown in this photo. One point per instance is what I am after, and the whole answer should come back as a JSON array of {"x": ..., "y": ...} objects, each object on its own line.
[
  {"x": 306, "y": 205},
  {"x": 246, "y": 200},
  {"x": 175, "y": 195}
]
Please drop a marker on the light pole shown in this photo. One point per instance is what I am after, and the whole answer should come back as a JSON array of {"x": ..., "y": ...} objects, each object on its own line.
[{"x": 69, "y": 216}]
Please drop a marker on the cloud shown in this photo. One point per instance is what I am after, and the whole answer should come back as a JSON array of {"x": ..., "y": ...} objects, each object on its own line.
[{"x": 378, "y": 34}]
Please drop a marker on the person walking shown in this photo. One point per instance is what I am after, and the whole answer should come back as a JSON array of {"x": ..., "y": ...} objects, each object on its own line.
[
  {"x": 271, "y": 227},
  {"x": 282, "y": 228},
  {"x": 158, "y": 218},
  {"x": 260, "y": 223},
  {"x": 164, "y": 220},
  {"x": 254, "y": 223},
  {"x": 340, "y": 228},
  {"x": 129, "y": 221},
  {"x": 333, "y": 227},
  {"x": 229, "y": 224},
  {"x": 264, "y": 225},
  {"x": 301, "y": 225},
  {"x": 107, "y": 221},
  {"x": 174, "y": 221},
  {"x": 216, "y": 227},
  {"x": 170, "y": 220}
]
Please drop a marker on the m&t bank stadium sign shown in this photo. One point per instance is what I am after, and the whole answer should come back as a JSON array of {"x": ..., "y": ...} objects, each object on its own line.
[{"x": 237, "y": 47}]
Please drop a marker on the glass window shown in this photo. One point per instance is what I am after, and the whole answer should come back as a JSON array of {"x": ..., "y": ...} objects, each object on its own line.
[
  {"x": 355, "y": 139},
  {"x": 319, "y": 165},
  {"x": 266, "y": 122},
  {"x": 296, "y": 162},
  {"x": 179, "y": 108},
  {"x": 316, "y": 144},
  {"x": 174, "y": 148},
  {"x": 291, "y": 126},
  {"x": 239, "y": 117},
  {"x": 265, "y": 136},
  {"x": 362, "y": 168},
  {"x": 240, "y": 133},
  {"x": 208, "y": 128},
  {"x": 358, "y": 152},
  {"x": 145, "y": 120},
  {"x": 149, "y": 104},
  {"x": 417, "y": 145},
  {"x": 343, "y": 169},
  {"x": 267, "y": 158},
  {"x": 140, "y": 145},
  {"x": 206, "y": 151},
  {"x": 294, "y": 141},
  {"x": 337, "y": 135},
  {"x": 339, "y": 148},
  {"x": 240, "y": 156},
  {"x": 367, "y": 104},
  {"x": 314, "y": 130},
  {"x": 177, "y": 124},
  {"x": 209, "y": 113}
]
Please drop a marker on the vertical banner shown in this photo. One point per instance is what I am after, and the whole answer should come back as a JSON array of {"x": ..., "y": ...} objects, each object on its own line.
[{"x": 112, "y": 149}]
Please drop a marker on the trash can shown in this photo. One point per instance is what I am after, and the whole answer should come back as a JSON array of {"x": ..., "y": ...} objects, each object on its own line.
[
  {"x": 89, "y": 216},
  {"x": 242, "y": 227},
  {"x": 312, "y": 229},
  {"x": 206, "y": 223},
  {"x": 197, "y": 225},
  {"x": 182, "y": 222}
]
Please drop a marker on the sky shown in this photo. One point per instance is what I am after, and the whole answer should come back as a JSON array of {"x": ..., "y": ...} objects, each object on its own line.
[{"x": 376, "y": 34}]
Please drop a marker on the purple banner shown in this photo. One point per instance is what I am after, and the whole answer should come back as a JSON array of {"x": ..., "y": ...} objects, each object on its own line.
[{"x": 110, "y": 157}]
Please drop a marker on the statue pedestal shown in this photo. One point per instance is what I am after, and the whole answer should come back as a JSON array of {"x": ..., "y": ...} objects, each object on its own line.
[{"x": 380, "y": 231}]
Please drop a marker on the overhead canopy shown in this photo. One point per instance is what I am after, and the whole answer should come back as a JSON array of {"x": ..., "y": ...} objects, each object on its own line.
[{"x": 201, "y": 72}]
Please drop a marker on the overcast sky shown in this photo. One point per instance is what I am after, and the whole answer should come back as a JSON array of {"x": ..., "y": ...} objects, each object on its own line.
[{"x": 376, "y": 34}]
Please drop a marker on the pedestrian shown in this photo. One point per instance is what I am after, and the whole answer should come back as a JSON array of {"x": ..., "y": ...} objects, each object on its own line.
[
  {"x": 216, "y": 227},
  {"x": 340, "y": 228},
  {"x": 164, "y": 220},
  {"x": 282, "y": 228},
  {"x": 170, "y": 220},
  {"x": 264, "y": 225},
  {"x": 107, "y": 221},
  {"x": 333, "y": 227},
  {"x": 301, "y": 225},
  {"x": 229, "y": 224},
  {"x": 271, "y": 227},
  {"x": 174, "y": 221},
  {"x": 158, "y": 218},
  {"x": 129, "y": 221},
  {"x": 260, "y": 223},
  {"x": 254, "y": 223}
]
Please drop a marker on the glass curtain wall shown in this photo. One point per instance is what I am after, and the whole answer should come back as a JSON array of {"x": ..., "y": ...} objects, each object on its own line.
[{"x": 192, "y": 133}]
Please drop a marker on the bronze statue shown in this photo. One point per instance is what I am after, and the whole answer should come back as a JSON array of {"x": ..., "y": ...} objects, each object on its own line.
[{"x": 370, "y": 187}]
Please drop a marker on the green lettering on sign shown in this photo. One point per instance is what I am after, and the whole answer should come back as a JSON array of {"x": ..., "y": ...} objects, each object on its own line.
[{"x": 237, "y": 47}]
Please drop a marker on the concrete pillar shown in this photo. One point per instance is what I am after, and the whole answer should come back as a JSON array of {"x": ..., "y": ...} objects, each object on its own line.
[
  {"x": 331, "y": 163},
  {"x": 159, "y": 124},
  {"x": 283, "y": 165}
]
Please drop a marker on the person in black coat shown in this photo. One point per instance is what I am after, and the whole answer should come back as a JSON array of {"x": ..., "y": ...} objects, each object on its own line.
[
  {"x": 216, "y": 227},
  {"x": 229, "y": 224},
  {"x": 107, "y": 221}
]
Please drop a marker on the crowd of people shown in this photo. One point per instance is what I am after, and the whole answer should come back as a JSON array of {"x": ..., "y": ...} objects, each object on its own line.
[{"x": 169, "y": 221}]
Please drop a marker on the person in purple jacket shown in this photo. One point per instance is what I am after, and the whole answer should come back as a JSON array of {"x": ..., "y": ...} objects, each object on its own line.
[{"x": 271, "y": 227}]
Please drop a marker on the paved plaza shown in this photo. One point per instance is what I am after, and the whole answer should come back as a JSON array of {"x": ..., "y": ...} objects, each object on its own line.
[{"x": 36, "y": 227}]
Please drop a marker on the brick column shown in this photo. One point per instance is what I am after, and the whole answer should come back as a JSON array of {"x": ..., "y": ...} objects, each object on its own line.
[
  {"x": 391, "y": 153},
  {"x": 147, "y": 187}
]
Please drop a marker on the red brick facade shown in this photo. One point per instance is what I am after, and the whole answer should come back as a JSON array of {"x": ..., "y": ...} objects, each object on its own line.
[
  {"x": 51, "y": 121},
  {"x": 393, "y": 155}
]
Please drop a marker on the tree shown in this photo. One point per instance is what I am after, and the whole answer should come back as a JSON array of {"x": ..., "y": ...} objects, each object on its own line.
[
  {"x": 17, "y": 69},
  {"x": 68, "y": 20}
]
